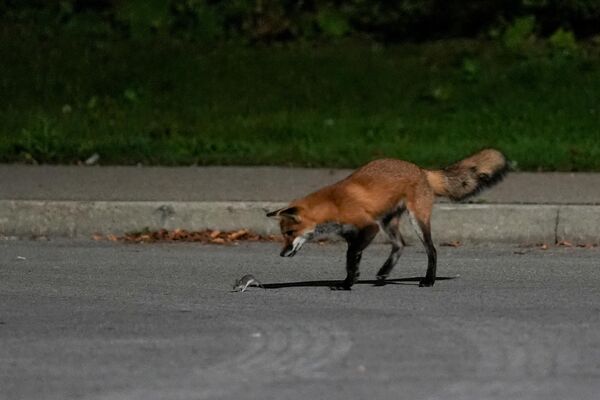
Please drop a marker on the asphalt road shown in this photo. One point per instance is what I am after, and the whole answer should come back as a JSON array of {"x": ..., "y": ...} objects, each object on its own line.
[{"x": 96, "y": 320}]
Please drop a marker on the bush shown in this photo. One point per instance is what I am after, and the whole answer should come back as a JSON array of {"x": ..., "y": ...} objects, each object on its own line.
[
  {"x": 563, "y": 41},
  {"x": 519, "y": 32},
  {"x": 281, "y": 20}
]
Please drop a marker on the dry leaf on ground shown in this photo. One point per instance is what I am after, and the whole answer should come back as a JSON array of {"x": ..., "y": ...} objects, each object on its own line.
[
  {"x": 454, "y": 243},
  {"x": 182, "y": 235},
  {"x": 564, "y": 243}
]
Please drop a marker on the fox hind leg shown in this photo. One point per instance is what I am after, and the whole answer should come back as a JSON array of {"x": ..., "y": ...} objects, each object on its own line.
[
  {"x": 391, "y": 227},
  {"x": 420, "y": 219}
]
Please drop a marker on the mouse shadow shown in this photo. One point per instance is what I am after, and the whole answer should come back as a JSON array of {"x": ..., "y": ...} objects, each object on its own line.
[{"x": 412, "y": 281}]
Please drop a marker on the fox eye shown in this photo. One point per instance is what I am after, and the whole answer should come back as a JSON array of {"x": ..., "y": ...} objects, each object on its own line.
[{"x": 288, "y": 233}]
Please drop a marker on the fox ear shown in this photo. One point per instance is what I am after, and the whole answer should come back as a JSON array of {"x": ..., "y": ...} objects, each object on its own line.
[
  {"x": 286, "y": 212},
  {"x": 274, "y": 214}
]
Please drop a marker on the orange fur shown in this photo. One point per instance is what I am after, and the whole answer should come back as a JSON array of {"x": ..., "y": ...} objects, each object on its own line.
[
  {"x": 382, "y": 188},
  {"x": 379, "y": 186}
]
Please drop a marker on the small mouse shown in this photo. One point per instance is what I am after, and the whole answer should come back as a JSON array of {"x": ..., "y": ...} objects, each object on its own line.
[{"x": 242, "y": 284}]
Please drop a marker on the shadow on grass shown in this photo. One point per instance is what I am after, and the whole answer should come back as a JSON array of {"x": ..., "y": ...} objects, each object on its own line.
[{"x": 413, "y": 281}]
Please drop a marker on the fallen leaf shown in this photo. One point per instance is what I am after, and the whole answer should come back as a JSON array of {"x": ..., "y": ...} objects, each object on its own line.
[
  {"x": 454, "y": 243},
  {"x": 586, "y": 245},
  {"x": 205, "y": 236},
  {"x": 238, "y": 234}
]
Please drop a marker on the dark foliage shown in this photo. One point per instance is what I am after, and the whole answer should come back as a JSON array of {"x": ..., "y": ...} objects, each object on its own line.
[{"x": 283, "y": 20}]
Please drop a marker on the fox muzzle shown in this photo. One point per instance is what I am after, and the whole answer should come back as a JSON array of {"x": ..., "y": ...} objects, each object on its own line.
[
  {"x": 288, "y": 251},
  {"x": 291, "y": 249}
]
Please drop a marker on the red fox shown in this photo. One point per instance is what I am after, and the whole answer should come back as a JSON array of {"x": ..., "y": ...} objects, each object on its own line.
[{"x": 375, "y": 197}]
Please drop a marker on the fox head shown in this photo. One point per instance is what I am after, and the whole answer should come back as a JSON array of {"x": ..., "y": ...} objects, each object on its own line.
[{"x": 296, "y": 228}]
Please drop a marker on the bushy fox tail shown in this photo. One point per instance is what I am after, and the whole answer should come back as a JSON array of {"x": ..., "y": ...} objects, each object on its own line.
[{"x": 469, "y": 176}]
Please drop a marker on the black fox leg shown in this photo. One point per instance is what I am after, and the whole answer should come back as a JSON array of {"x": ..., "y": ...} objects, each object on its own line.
[
  {"x": 357, "y": 242},
  {"x": 424, "y": 232},
  {"x": 392, "y": 230},
  {"x": 429, "y": 279},
  {"x": 352, "y": 262}
]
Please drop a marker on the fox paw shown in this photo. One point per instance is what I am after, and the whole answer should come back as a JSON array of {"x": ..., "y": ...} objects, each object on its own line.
[
  {"x": 341, "y": 286},
  {"x": 344, "y": 285},
  {"x": 380, "y": 281},
  {"x": 426, "y": 282}
]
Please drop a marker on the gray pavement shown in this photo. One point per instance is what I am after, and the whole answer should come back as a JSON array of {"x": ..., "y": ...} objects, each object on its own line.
[
  {"x": 274, "y": 184},
  {"x": 95, "y": 320},
  {"x": 79, "y": 201}
]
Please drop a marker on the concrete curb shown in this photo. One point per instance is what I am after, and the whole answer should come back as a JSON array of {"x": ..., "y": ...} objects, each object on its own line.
[{"x": 467, "y": 223}]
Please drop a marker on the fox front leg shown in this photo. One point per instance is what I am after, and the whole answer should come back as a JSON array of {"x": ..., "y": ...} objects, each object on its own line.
[
  {"x": 357, "y": 242},
  {"x": 353, "y": 258}
]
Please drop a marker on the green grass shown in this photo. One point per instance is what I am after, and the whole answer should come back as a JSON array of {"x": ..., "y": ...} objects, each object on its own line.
[{"x": 175, "y": 103}]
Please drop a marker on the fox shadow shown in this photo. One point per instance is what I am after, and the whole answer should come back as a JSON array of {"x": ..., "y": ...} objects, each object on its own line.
[{"x": 413, "y": 281}]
